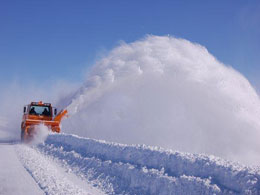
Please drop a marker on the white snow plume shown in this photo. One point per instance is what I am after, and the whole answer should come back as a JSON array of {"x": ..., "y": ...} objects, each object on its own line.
[
  {"x": 41, "y": 132},
  {"x": 172, "y": 93}
]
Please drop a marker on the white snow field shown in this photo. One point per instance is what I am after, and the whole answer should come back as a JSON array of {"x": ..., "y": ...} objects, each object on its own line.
[
  {"x": 50, "y": 176},
  {"x": 124, "y": 169},
  {"x": 68, "y": 164},
  {"x": 24, "y": 170},
  {"x": 14, "y": 179}
]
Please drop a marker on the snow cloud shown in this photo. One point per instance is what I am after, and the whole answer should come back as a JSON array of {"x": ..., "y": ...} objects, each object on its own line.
[
  {"x": 168, "y": 92},
  {"x": 160, "y": 91}
]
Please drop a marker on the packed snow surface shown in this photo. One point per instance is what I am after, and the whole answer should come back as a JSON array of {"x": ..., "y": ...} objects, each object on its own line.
[
  {"x": 168, "y": 92},
  {"x": 50, "y": 176},
  {"x": 14, "y": 180},
  {"x": 25, "y": 170}
]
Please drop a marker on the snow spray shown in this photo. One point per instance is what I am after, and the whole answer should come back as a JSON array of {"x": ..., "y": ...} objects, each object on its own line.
[{"x": 171, "y": 93}]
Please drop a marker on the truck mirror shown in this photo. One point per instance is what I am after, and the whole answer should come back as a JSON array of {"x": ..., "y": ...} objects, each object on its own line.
[
  {"x": 24, "y": 109},
  {"x": 55, "y": 111}
]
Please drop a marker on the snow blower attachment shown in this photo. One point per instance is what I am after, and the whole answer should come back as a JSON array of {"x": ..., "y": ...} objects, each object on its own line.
[{"x": 38, "y": 113}]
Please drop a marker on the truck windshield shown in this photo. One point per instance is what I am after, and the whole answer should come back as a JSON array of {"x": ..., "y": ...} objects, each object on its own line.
[{"x": 40, "y": 110}]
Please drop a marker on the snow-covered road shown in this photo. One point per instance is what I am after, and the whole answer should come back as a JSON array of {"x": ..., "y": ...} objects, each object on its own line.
[
  {"x": 68, "y": 164},
  {"x": 50, "y": 176},
  {"x": 24, "y": 170},
  {"x": 14, "y": 179}
]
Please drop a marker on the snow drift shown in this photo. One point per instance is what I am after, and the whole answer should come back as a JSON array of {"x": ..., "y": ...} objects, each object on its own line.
[
  {"x": 172, "y": 93},
  {"x": 124, "y": 169}
]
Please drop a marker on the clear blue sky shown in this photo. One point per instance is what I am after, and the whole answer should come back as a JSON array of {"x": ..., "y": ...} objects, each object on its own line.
[{"x": 63, "y": 37}]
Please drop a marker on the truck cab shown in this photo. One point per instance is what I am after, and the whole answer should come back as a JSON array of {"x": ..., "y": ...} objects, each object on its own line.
[
  {"x": 37, "y": 113},
  {"x": 40, "y": 110}
]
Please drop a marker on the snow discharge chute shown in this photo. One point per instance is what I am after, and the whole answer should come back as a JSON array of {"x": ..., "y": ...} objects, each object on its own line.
[{"x": 172, "y": 93}]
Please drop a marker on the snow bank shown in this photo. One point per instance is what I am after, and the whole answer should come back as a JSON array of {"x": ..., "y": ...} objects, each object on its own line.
[
  {"x": 172, "y": 93},
  {"x": 50, "y": 177},
  {"x": 167, "y": 171},
  {"x": 44, "y": 173},
  {"x": 126, "y": 178}
]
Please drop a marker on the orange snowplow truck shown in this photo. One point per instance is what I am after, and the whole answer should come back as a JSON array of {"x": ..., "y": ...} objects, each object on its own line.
[{"x": 38, "y": 113}]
